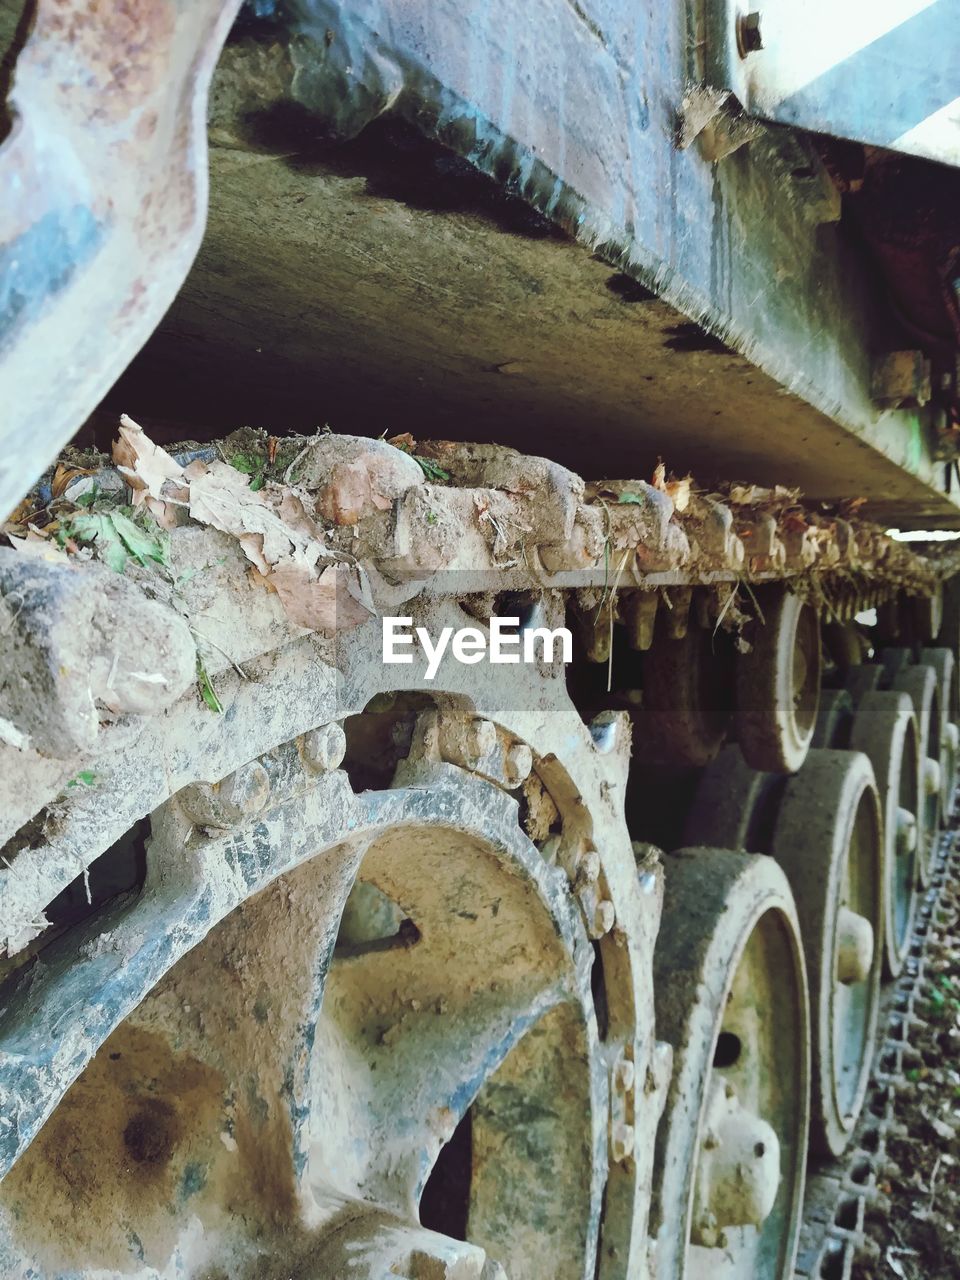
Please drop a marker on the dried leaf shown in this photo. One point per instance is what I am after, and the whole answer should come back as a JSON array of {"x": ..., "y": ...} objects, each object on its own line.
[
  {"x": 745, "y": 495},
  {"x": 404, "y": 442},
  {"x": 285, "y": 546},
  {"x": 145, "y": 464},
  {"x": 149, "y": 470},
  {"x": 36, "y": 544},
  {"x": 251, "y": 545},
  {"x": 20, "y": 514},
  {"x": 63, "y": 476},
  {"x": 323, "y": 604},
  {"x": 659, "y": 480},
  {"x": 295, "y": 515},
  {"x": 222, "y": 497},
  {"x": 679, "y": 491},
  {"x": 350, "y": 492}
]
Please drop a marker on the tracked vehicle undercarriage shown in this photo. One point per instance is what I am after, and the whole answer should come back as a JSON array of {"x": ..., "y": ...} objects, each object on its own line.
[
  {"x": 417, "y": 860},
  {"x": 352, "y": 971}
]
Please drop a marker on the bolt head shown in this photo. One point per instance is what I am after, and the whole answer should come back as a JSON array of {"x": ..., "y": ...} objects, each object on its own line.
[
  {"x": 588, "y": 867},
  {"x": 749, "y": 39},
  {"x": 247, "y": 790},
  {"x": 604, "y": 918},
  {"x": 625, "y": 1075},
  {"x": 518, "y": 763},
  {"x": 604, "y": 734},
  {"x": 239, "y": 795},
  {"x": 906, "y": 831},
  {"x": 931, "y": 776},
  {"x": 648, "y": 883},
  {"x": 481, "y": 738},
  {"x": 622, "y": 1139},
  {"x": 854, "y": 946},
  {"x": 324, "y": 748}
]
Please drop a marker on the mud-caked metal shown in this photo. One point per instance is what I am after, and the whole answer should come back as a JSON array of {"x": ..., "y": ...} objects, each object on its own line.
[
  {"x": 885, "y": 730},
  {"x": 828, "y": 838},
  {"x": 731, "y": 998}
]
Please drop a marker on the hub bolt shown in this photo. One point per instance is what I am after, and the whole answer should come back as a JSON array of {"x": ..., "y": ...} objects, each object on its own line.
[
  {"x": 247, "y": 790},
  {"x": 517, "y": 764},
  {"x": 906, "y": 831},
  {"x": 621, "y": 1142},
  {"x": 481, "y": 739},
  {"x": 324, "y": 748},
  {"x": 931, "y": 776},
  {"x": 854, "y": 947},
  {"x": 604, "y": 918},
  {"x": 625, "y": 1075}
]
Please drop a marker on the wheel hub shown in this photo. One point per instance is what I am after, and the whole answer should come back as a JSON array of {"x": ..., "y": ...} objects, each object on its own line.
[
  {"x": 854, "y": 947},
  {"x": 739, "y": 1170},
  {"x": 906, "y": 832}
]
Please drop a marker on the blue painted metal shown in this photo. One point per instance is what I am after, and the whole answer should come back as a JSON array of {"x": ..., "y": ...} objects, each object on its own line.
[
  {"x": 41, "y": 262},
  {"x": 104, "y": 185},
  {"x": 889, "y": 86},
  {"x": 896, "y": 84}
]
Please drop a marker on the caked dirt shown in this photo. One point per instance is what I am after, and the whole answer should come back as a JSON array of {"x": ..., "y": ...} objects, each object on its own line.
[{"x": 913, "y": 1228}]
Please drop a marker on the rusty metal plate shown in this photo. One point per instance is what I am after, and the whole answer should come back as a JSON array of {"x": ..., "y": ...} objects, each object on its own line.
[{"x": 104, "y": 174}]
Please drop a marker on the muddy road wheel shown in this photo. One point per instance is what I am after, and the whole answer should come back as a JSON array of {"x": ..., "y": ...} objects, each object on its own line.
[
  {"x": 778, "y": 682},
  {"x": 843, "y": 645},
  {"x": 866, "y": 678},
  {"x": 920, "y": 684},
  {"x": 734, "y": 807},
  {"x": 834, "y": 719},
  {"x": 943, "y": 663},
  {"x": 828, "y": 839},
  {"x": 686, "y": 697},
  {"x": 885, "y": 730},
  {"x": 731, "y": 999}
]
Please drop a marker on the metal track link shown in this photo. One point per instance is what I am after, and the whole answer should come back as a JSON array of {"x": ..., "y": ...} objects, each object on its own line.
[{"x": 838, "y": 1194}]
